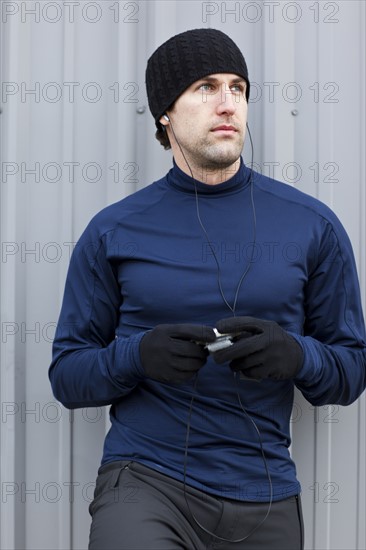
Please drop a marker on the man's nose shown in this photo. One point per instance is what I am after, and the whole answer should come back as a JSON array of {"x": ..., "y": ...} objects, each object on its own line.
[{"x": 227, "y": 100}]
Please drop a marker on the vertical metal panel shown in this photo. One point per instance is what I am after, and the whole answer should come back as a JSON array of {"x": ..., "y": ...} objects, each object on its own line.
[
  {"x": 278, "y": 51},
  {"x": 361, "y": 421},
  {"x": 34, "y": 236},
  {"x": 10, "y": 437}
]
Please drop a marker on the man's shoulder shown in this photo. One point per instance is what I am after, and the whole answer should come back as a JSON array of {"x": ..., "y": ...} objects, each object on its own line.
[
  {"x": 113, "y": 214},
  {"x": 293, "y": 198}
]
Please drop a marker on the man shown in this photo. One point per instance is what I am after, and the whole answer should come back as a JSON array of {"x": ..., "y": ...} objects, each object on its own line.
[{"x": 197, "y": 455}]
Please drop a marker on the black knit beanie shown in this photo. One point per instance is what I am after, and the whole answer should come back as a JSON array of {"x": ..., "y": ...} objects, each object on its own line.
[{"x": 188, "y": 57}]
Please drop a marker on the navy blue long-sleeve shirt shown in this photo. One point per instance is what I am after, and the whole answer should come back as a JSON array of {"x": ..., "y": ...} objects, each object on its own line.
[{"x": 146, "y": 260}]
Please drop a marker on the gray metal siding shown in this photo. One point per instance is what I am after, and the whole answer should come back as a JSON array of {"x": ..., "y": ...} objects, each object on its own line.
[{"x": 85, "y": 138}]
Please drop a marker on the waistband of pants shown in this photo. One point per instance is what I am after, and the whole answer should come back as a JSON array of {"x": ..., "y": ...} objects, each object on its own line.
[{"x": 119, "y": 464}]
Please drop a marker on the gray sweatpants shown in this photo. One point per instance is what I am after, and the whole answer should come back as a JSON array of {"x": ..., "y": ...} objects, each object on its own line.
[{"x": 137, "y": 508}]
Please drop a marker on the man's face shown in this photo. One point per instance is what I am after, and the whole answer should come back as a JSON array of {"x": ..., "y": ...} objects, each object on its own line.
[{"x": 209, "y": 121}]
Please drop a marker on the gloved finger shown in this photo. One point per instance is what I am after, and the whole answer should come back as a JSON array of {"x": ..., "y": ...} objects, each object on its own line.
[
  {"x": 238, "y": 325},
  {"x": 239, "y": 349},
  {"x": 189, "y": 349},
  {"x": 247, "y": 363},
  {"x": 197, "y": 333},
  {"x": 251, "y": 345}
]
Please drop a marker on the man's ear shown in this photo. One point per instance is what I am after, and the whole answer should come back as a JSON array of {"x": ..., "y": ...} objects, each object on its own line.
[{"x": 164, "y": 120}]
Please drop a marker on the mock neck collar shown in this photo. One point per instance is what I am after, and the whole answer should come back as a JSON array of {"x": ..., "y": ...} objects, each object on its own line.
[{"x": 183, "y": 182}]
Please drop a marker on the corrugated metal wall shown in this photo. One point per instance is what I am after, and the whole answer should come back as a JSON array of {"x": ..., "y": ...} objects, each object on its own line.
[{"x": 76, "y": 134}]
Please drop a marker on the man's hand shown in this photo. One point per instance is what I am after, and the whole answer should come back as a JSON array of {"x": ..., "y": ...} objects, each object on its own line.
[
  {"x": 261, "y": 349},
  {"x": 170, "y": 353}
]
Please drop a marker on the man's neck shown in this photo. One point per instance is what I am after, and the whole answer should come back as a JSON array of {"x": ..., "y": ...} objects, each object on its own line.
[{"x": 206, "y": 174}]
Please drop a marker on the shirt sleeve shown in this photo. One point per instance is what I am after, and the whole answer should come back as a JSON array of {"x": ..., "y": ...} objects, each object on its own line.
[
  {"x": 90, "y": 365},
  {"x": 333, "y": 341}
]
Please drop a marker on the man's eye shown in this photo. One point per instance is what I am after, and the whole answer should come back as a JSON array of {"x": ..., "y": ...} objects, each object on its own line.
[
  {"x": 237, "y": 88},
  {"x": 206, "y": 87}
]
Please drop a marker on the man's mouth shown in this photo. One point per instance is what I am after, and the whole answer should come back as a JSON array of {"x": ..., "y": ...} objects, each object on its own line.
[{"x": 224, "y": 128}]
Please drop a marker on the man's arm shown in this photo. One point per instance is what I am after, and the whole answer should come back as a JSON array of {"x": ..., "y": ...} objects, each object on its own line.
[
  {"x": 334, "y": 366},
  {"x": 90, "y": 365}
]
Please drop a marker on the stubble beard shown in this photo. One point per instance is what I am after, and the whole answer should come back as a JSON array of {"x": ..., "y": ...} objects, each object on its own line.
[{"x": 214, "y": 156}]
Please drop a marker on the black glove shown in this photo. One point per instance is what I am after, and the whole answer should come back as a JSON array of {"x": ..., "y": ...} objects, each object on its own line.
[
  {"x": 170, "y": 353},
  {"x": 261, "y": 349}
]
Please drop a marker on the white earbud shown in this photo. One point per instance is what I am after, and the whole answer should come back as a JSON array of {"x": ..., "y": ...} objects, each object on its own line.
[{"x": 166, "y": 118}]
